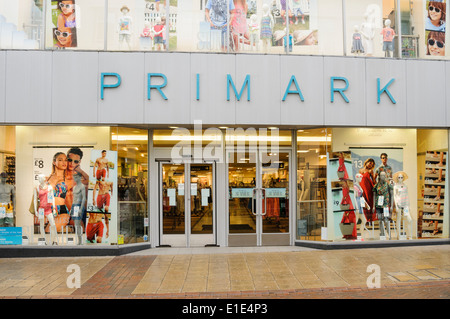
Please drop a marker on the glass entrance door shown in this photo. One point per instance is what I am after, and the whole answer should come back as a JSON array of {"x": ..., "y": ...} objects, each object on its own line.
[
  {"x": 187, "y": 204},
  {"x": 258, "y": 205}
]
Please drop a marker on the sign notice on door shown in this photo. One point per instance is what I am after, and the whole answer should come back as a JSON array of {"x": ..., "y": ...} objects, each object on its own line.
[
  {"x": 276, "y": 192},
  {"x": 242, "y": 192}
]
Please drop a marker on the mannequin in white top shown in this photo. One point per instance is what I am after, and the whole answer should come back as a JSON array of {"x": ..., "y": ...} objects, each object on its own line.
[
  {"x": 124, "y": 27},
  {"x": 45, "y": 208},
  {"x": 401, "y": 200}
]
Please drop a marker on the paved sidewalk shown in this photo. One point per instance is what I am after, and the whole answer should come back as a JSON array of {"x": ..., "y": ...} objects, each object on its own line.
[{"x": 407, "y": 272}]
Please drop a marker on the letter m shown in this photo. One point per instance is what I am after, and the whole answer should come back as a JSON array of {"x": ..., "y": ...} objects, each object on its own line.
[{"x": 231, "y": 83}]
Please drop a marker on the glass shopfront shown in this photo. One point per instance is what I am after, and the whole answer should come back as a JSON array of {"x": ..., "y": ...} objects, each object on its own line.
[
  {"x": 369, "y": 28},
  {"x": 90, "y": 185}
]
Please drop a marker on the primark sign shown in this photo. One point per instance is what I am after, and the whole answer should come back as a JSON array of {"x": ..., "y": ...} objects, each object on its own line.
[{"x": 157, "y": 82}]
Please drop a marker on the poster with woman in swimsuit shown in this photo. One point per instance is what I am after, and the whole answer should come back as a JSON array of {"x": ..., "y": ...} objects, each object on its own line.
[{"x": 59, "y": 164}]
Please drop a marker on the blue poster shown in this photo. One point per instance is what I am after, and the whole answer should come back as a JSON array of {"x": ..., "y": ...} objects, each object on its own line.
[{"x": 10, "y": 235}]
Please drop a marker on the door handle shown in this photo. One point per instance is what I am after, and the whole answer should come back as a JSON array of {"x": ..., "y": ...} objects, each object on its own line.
[
  {"x": 253, "y": 196},
  {"x": 263, "y": 191}
]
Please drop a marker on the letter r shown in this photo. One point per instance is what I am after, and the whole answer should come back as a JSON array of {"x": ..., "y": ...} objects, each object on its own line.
[
  {"x": 339, "y": 90},
  {"x": 157, "y": 87}
]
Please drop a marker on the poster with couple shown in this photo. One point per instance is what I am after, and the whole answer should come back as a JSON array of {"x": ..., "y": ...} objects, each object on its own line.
[{"x": 69, "y": 199}]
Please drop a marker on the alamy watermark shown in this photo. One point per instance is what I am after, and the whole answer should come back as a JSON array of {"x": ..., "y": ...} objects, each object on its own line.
[
  {"x": 374, "y": 280},
  {"x": 74, "y": 279},
  {"x": 199, "y": 145}
]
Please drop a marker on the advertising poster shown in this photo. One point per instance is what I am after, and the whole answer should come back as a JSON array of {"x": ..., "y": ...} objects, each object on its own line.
[
  {"x": 302, "y": 27},
  {"x": 64, "y": 29},
  {"x": 60, "y": 178},
  {"x": 102, "y": 198},
  {"x": 434, "y": 194},
  {"x": 341, "y": 178},
  {"x": 394, "y": 160},
  {"x": 435, "y": 24}
]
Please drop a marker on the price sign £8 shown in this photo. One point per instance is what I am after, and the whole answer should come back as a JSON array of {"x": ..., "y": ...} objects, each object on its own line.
[
  {"x": 39, "y": 163},
  {"x": 38, "y": 167}
]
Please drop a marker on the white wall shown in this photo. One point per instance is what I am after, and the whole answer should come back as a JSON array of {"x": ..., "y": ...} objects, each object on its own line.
[{"x": 44, "y": 86}]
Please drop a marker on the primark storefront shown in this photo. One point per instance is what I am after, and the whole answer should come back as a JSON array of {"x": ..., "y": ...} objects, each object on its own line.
[{"x": 215, "y": 136}]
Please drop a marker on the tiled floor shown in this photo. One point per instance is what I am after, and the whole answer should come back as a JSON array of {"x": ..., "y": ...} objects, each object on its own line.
[{"x": 169, "y": 271}]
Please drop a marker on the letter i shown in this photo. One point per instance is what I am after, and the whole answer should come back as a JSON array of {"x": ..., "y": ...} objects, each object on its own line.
[{"x": 198, "y": 87}]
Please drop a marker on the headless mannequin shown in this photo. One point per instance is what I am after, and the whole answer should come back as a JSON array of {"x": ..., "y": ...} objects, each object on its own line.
[
  {"x": 7, "y": 202},
  {"x": 267, "y": 21},
  {"x": 47, "y": 208},
  {"x": 402, "y": 205},
  {"x": 367, "y": 31},
  {"x": 254, "y": 31},
  {"x": 79, "y": 201},
  {"x": 124, "y": 28},
  {"x": 383, "y": 204},
  {"x": 360, "y": 203}
]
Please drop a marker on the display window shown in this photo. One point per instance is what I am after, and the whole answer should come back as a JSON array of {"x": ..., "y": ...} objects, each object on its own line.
[
  {"x": 79, "y": 185},
  {"x": 387, "y": 184},
  {"x": 21, "y": 24},
  {"x": 371, "y": 28},
  {"x": 131, "y": 145},
  {"x": 312, "y": 148},
  {"x": 75, "y": 24},
  {"x": 306, "y": 27}
]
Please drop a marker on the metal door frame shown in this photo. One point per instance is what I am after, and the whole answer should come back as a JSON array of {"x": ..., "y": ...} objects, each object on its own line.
[{"x": 187, "y": 203}]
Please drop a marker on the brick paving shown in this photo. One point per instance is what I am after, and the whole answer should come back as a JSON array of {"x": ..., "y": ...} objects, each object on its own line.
[
  {"x": 418, "y": 290},
  {"x": 117, "y": 278},
  {"x": 405, "y": 273}
]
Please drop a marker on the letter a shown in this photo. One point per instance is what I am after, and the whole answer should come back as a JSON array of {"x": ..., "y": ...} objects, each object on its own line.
[
  {"x": 298, "y": 91},
  {"x": 74, "y": 280},
  {"x": 373, "y": 281}
]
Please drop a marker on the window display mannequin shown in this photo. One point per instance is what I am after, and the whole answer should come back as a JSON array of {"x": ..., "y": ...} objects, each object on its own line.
[
  {"x": 367, "y": 31},
  {"x": 384, "y": 203},
  {"x": 401, "y": 199},
  {"x": 7, "y": 202},
  {"x": 158, "y": 31},
  {"x": 253, "y": 29},
  {"x": 388, "y": 38},
  {"x": 267, "y": 24},
  {"x": 357, "y": 46},
  {"x": 342, "y": 170},
  {"x": 349, "y": 213},
  {"x": 125, "y": 27},
  {"x": 79, "y": 201},
  {"x": 46, "y": 208},
  {"x": 146, "y": 36},
  {"x": 360, "y": 203}
]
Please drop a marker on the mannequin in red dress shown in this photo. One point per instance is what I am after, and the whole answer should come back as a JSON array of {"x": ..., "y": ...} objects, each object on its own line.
[
  {"x": 342, "y": 171},
  {"x": 349, "y": 215}
]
